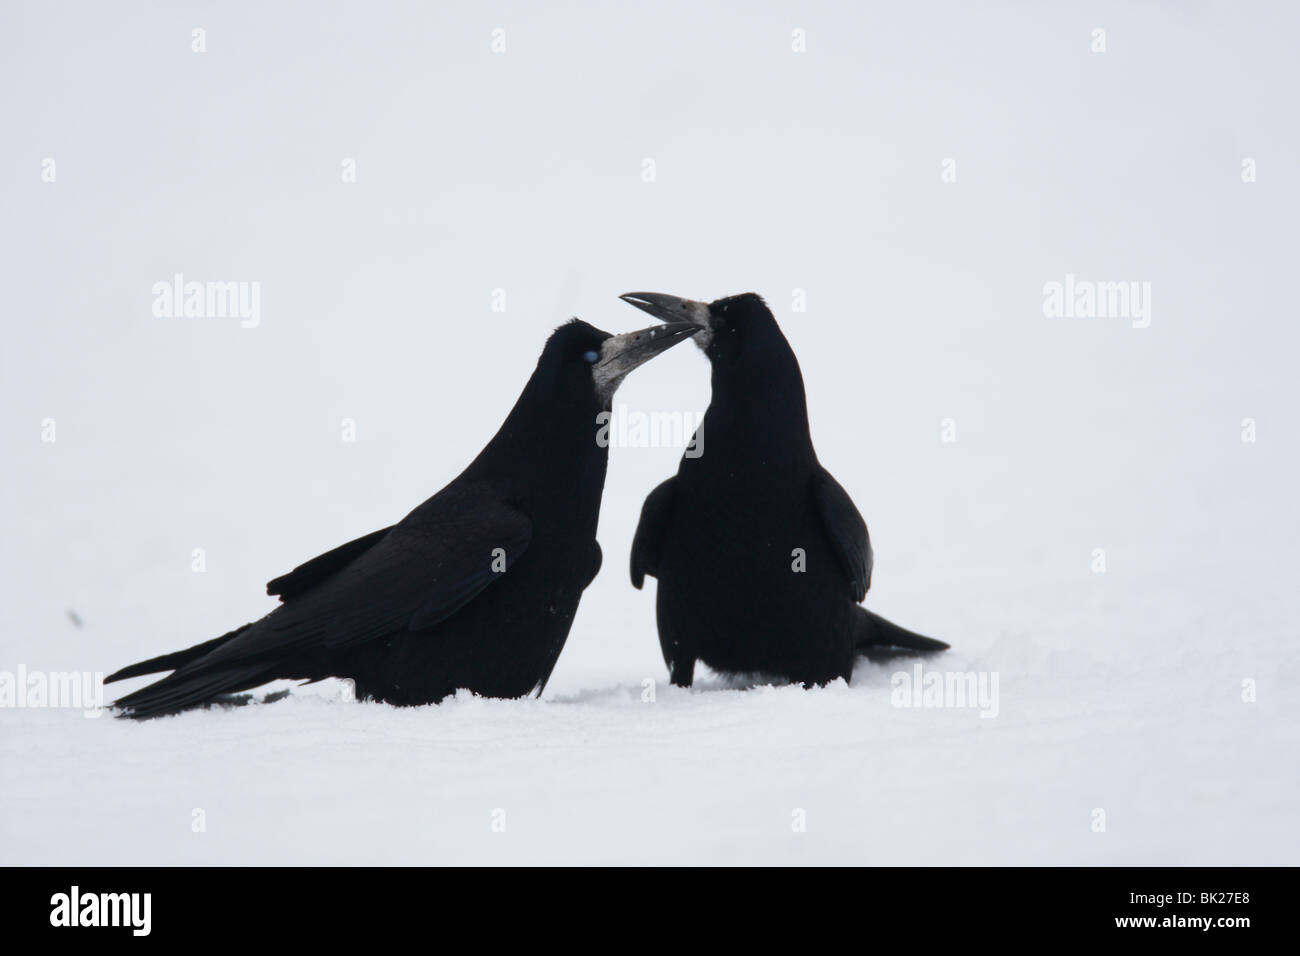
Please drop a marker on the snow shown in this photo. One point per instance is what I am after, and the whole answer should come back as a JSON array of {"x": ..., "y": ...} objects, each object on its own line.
[{"x": 1120, "y": 691}]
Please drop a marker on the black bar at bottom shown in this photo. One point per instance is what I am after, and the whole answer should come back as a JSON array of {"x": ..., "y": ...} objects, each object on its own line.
[{"x": 232, "y": 904}]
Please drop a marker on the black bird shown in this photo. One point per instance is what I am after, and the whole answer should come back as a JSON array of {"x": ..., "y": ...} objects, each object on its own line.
[
  {"x": 761, "y": 556},
  {"x": 476, "y": 588}
]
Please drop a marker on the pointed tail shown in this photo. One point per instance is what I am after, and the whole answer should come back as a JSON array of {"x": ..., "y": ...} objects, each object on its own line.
[
  {"x": 188, "y": 685},
  {"x": 169, "y": 662},
  {"x": 183, "y": 690},
  {"x": 886, "y": 638}
]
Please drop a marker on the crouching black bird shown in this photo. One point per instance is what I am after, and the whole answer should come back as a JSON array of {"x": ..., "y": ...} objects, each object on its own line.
[
  {"x": 476, "y": 588},
  {"x": 761, "y": 556}
]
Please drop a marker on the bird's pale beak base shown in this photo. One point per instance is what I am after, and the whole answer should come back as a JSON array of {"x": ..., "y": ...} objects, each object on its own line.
[{"x": 620, "y": 354}]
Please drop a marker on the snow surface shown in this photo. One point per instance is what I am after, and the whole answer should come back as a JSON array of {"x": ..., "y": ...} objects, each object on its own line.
[{"x": 1120, "y": 691}]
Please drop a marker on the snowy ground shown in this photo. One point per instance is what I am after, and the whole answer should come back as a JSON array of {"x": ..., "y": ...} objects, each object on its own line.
[{"x": 1120, "y": 691}]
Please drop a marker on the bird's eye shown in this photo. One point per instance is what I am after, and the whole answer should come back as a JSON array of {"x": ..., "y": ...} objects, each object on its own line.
[{"x": 591, "y": 356}]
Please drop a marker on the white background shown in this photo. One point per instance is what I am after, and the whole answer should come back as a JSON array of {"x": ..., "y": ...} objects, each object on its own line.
[{"x": 776, "y": 171}]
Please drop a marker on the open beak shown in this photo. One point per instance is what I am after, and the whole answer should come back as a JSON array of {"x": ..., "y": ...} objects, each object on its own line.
[
  {"x": 669, "y": 308},
  {"x": 619, "y": 354}
]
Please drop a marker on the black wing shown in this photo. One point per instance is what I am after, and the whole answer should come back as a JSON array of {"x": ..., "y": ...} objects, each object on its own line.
[
  {"x": 656, "y": 513},
  {"x": 311, "y": 573},
  {"x": 847, "y": 532},
  {"x": 424, "y": 570},
  {"x": 421, "y": 572}
]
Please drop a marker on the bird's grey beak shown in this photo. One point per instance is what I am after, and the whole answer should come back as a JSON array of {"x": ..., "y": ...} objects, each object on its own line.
[
  {"x": 669, "y": 308},
  {"x": 619, "y": 354}
]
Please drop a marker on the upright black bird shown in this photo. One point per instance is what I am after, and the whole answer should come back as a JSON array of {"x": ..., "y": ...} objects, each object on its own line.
[
  {"x": 761, "y": 556},
  {"x": 476, "y": 588}
]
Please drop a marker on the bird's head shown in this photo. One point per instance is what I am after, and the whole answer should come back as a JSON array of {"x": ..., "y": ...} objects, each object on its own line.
[
  {"x": 583, "y": 360},
  {"x": 736, "y": 329}
]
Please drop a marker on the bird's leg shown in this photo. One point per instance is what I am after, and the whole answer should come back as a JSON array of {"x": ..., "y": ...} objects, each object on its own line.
[{"x": 682, "y": 671}]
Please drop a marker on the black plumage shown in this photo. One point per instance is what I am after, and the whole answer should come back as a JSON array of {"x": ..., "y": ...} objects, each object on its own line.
[
  {"x": 476, "y": 588},
  {"x": 761, "y": 556}
]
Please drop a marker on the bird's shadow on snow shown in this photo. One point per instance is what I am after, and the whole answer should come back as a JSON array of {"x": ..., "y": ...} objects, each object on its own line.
[{"x": 871, "y": 672}]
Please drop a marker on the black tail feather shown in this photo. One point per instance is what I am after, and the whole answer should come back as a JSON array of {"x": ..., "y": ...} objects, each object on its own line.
[
  {"x": 879, "y": 638},
  {"x": 169, "y": 662},
  {"x": 191, "y": 684},
  {"x": 179, "y": 692}
]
